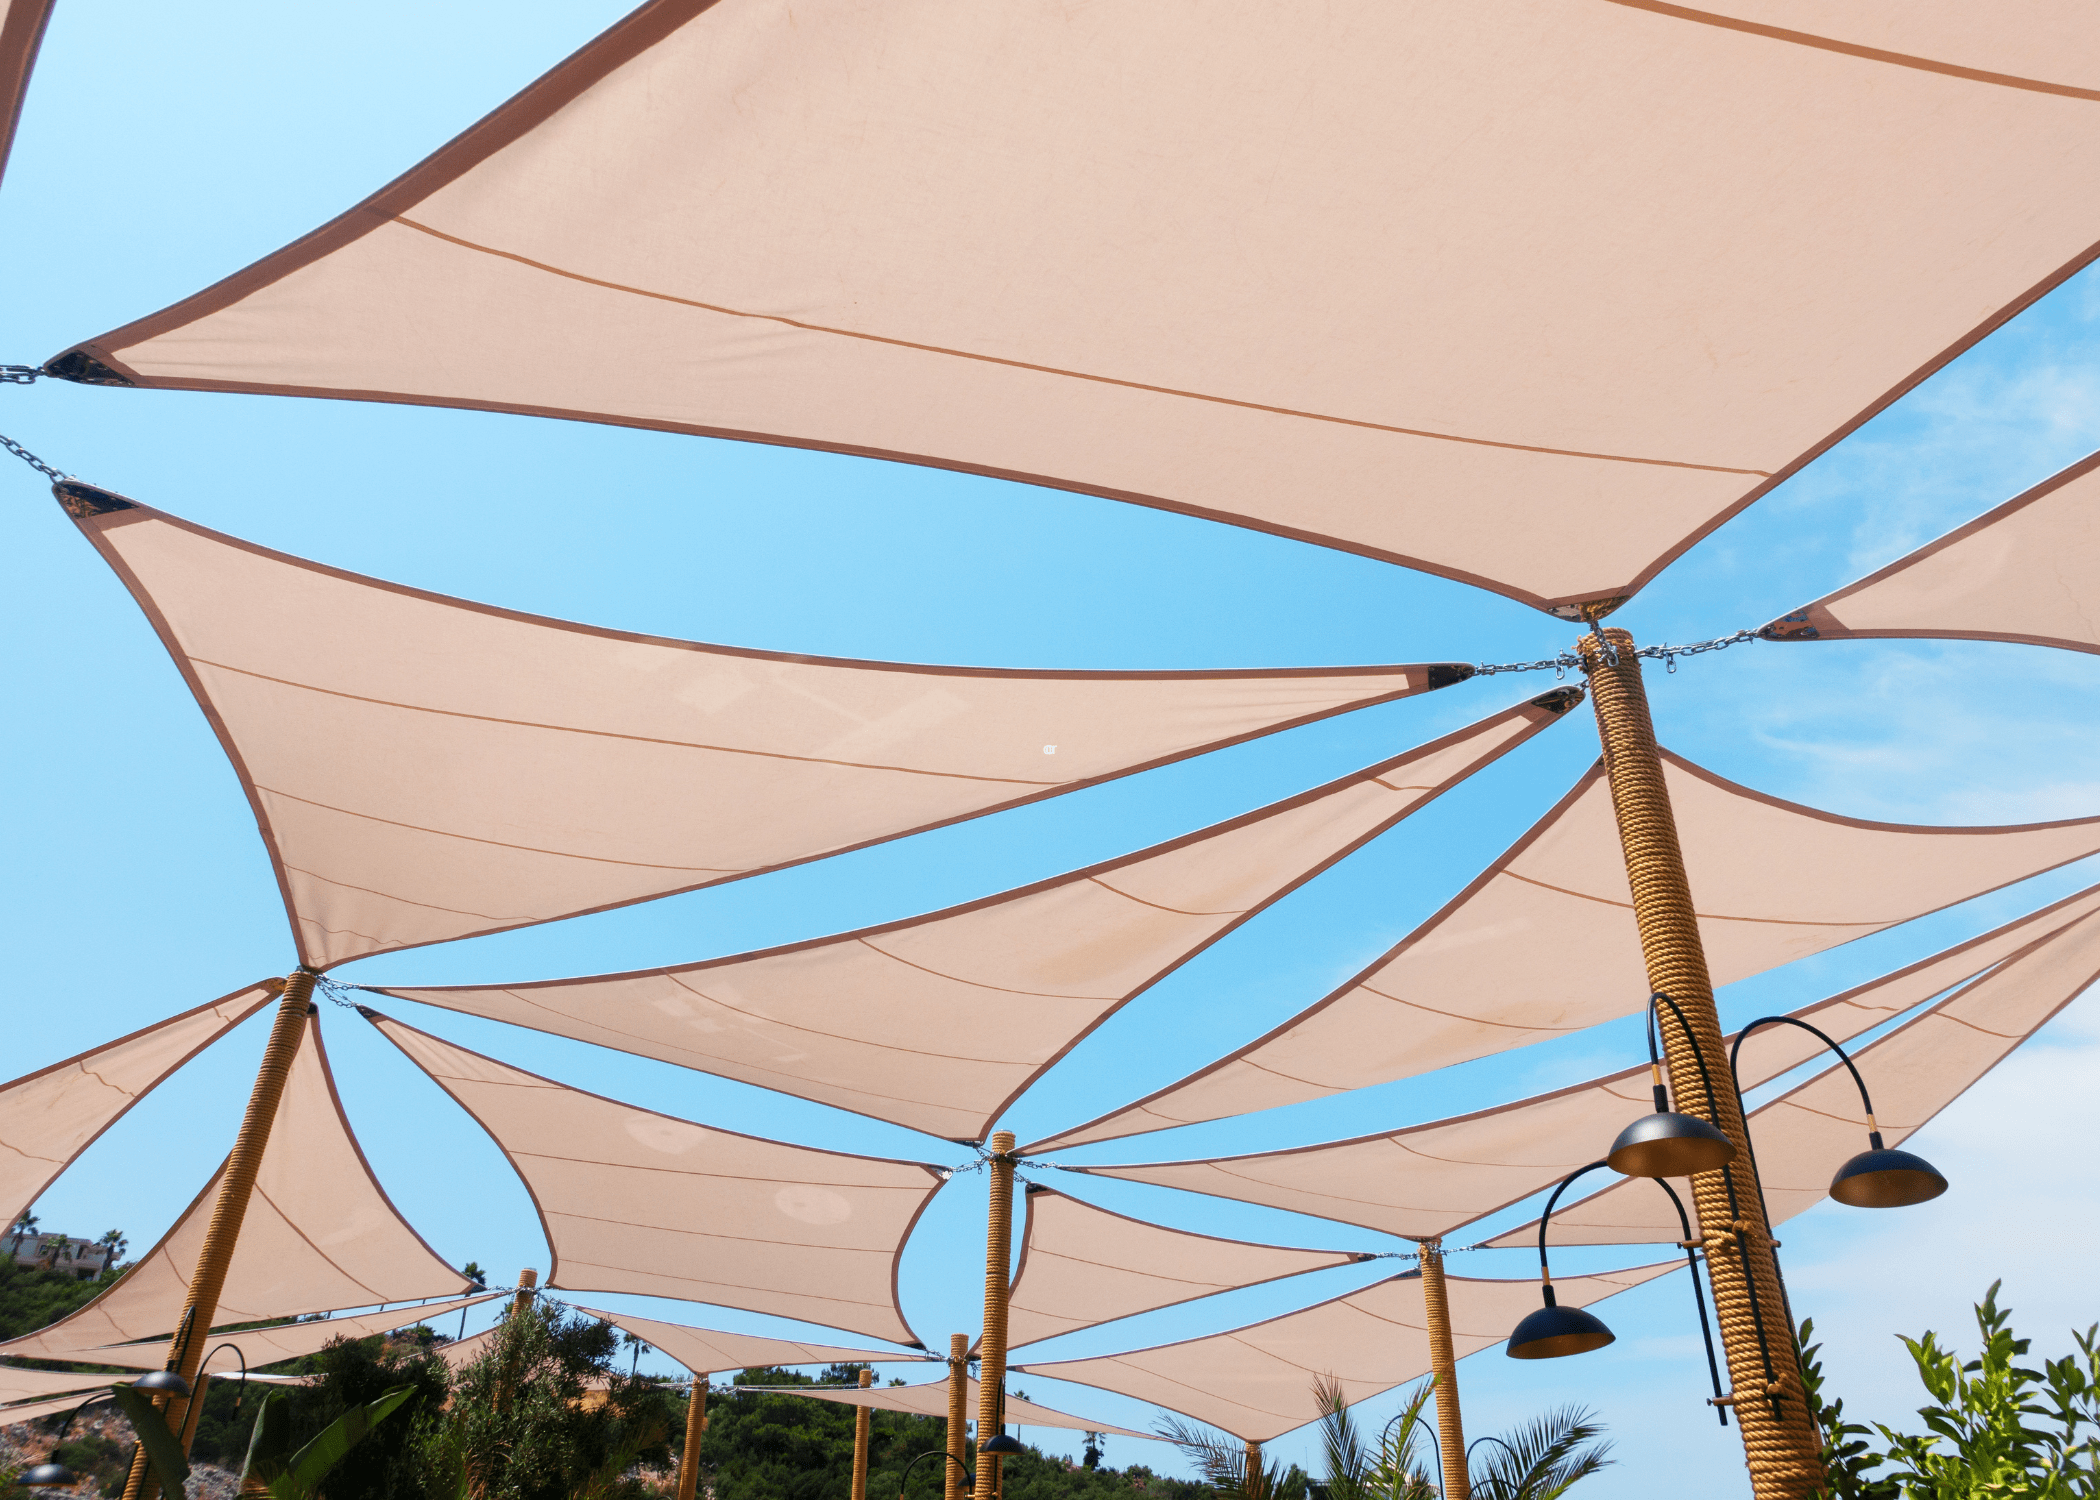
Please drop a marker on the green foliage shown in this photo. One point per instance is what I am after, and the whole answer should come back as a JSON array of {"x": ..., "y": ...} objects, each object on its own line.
[
  {"x": 1995, "y": 1427},
  {"x": 297, "y": 1475},
  {"x": 31, "y": 1298},
  {"x": 1353, "y": 1472},
  {"x": 163, "y": 1452},
  {"x": 1543, "y": 1458},
  {"x": 542, "y": 1415},
  {"x": 102, "y": 1461}
]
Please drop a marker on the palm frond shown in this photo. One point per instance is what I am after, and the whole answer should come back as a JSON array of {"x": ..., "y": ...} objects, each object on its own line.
[
  {"x": 1543, "y": 1458},
  {"x": 1341, "y": 1444}
]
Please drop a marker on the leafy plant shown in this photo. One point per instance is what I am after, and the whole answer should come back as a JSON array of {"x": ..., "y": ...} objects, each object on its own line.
[
  {"x": 277, "y": 1469},
  {"x": 1543, "y": 1458},
  {"x": 1353, "y": 1471}
]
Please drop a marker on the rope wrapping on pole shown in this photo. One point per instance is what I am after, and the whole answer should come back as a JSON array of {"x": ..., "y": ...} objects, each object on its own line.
[{"x": 1781, "y": 1442}]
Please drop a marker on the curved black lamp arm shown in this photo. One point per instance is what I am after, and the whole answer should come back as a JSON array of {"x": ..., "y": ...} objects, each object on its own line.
[
  {"x": 968, "y": 1477},
  {"x": 1735, "y": 1202},
  {"x": 1484, "y": 1438},
  {"x": 236, "y": 1348},
  {"x": 1545, "y": 1273},
  {"x": 1735, "y": 1075},
  {"x": 67, "y": 1425},
  {"x": 1691, "y": 1261}
]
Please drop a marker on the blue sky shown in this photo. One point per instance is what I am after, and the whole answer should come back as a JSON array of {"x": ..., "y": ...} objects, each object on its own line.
[{"x": 162, "y": 148}]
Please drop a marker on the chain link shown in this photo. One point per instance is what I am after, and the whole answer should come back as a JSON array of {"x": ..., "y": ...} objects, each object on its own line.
[
  {"x": 19, "y": 374},
  {"x": 30, "y": 459},
  {"x": 1568, "y": 661}
]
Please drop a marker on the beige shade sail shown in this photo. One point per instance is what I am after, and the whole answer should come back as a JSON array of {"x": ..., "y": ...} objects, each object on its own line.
[
  {"x": 2028, "y": 571},
  {"x": 635, "y": 1201},
  {"x": 709, "y": 1351},
  {"x": 422, "y": 768},
  {"x": 1256, "y": 1382},
  {"x": 1082, "y": 1265},
  {"x": 25, "y": 1385},
  {"x": 1374, "y": 276},
  {"x": 931, "y": 1400},
  {"x": 1429, "y": 1180},
  {"x": 31, "y": 1411},
  {"x": 1802, "y": 1137},
  {"x": 1543, "y": 943},
  {"x": 281, "y": 1341},
  {"x": 22, "y": 24},
  {"x": 888, "y": 1021},
  {"x": 47, "y": 1118},
  {"x": 320, "y": 1233}
]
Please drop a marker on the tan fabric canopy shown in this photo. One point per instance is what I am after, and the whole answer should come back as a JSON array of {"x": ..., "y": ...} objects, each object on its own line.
[
  {"x": 30, "y": 1411},
  {"x": 2028, "y": 571},
  {"x": 1913, "y": 1073},
  {"x": 423, "y": 768},
  {"x": 708, "y": 1351},
  {"x": 1082, "y": 1265},
  {"x": 932, "y": 1401},
  {"x": 1432, "y": 1179},
  {"x": 1256, "y": 1382},
  {"x": 22, "y": 25},
  {"x": 1374, "y": 276},
  {"x": 910, "y": 1046},
  {"x": 282, "y": 1341},
  {"x": 47, "y": 1118},
  {"x": 320, "y": 1233},
  {"x": 1543, "y": 942},
  {"x": 635, "y": 1201},
  {"x": 24, "y": 1385}
]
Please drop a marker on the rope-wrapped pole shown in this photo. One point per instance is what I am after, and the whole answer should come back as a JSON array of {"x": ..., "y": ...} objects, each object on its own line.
[
  {"x": 991, "y": 1350},
  {"x": 1781, "y": 1443},
  {"x": 1254, "y": 1479},
  {"x": 695, "y": 1430},
  {"x": 863, "y": 1421},
  {"x": 958, "y": 1415},
  {"x": 1450, "y": 1426},
  {"x": 236, "y": 1186}
]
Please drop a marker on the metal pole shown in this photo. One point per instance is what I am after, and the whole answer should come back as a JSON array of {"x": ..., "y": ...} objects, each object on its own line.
[
  {"x": 958, "y": 1416},
  {"x": 236, "y": 1186},
  {"x": 862, "y": 1421},
  {"x": 1783, "y": 1448},
  {"x": 991, "y": 1352},
  {"x": 695, "y": 1429},
  {"x": 1450, "y": 1426}
]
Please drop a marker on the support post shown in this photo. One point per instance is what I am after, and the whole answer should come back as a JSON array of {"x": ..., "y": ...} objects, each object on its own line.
[
  {"x": 863, "y": 1421},
  {"x": 1254, "y": 1478},
  {"x": 1450, "y": 1426},
  {"x": 695, "y": 1430},
  {"x": 991, "y": 1350},
  {"x": 1783, "y": 1448},
  {"x": 236, "y": 1186},
  {"x": 522, "y": 1298},
  {"x": 958, "y": 1415}
]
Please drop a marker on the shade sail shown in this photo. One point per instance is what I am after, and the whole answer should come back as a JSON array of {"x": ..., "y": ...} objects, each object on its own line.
[
  {"x": 1802, "y": 1137},
  {"x": 1431, "y": 1179},
  {"x": 709, "y": 1351},
  {"x": 635, "y": 1201},
  {"x": 47, "y": 1118},
  {"x": 2028, "y": 571},
  {"x": 22, "y": 25},
  {"x": 1082, "y": 1265},
  {"x": 931, "y": 1400},
  {"x": 1256, "y": 1382},
  {"x": 24, "y": 1385},
  {"x": 1543, "y": 943},
  {"x": 320, "y": 1233},
  {"x": 1057, "y": 958},
  {"x": 1138, "y": 252},
  {"x": 282, "y": 1341},
  {"x": 30, "y": 1411},
  {"x": 423, "y": 768}
]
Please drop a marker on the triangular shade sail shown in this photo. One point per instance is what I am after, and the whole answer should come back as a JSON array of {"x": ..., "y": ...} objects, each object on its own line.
[
  {"x": 2028, "y": 571},
  {"x": 1802, "y": 1137},
  {"x": 1256, "y": 1382},
  {"x": 1057, "y": 958},
  {"x": 320, "y": 1233},
  {"x": 635, "y": 1201},
  {"x": 1082, "y": 1265},
  {"x": 22, "y": 25},
  {"x": 25, "y": 1385},
  {"x": 47, "y": 1118},
  {"x": 931, "y": 1400},
  {"x": 709, "y": 1351},
  {"x": 31, "y": 1411},
  {"x": 1432, "y": 1179},
  {"x": 423, "y": 768},
  {"x": 1375, "y": 276},
  {"x": 1543, "y": 943},
  {"x": 282, "y": 1341}
]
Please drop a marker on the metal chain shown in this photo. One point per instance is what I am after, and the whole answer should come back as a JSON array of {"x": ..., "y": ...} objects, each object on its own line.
[
  {"x": 19, "y": 374},
  {"x": 1568, "y": 661},
  {"x": 30, "y": 459}
]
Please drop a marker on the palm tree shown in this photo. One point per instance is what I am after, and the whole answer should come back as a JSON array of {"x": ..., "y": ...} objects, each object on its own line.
[
  {"x": 1538, "y": 1461},
  {"x": 113, "y": 1246},
  {"x": 25, "y": 1226},
  {"x": 1221, "y": 1462},
  {"x": 1544, "y": 1458},
  {"x": 1353, "y": 1472}
]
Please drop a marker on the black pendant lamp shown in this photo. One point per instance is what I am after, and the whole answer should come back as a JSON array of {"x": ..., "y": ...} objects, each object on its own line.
[
  {"x": 1878, "y": 1177},
  {"x": 162, "y": 1383},
  {"x": 1665, "y": 1143},
  {"x": 1002, "y": 1444},
  {"x": 1553, "y": 1331}
]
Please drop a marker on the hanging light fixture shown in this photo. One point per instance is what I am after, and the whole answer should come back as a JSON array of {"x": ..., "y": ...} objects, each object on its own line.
[
  {"x": 1877, "y": 1177},
  {"x": 1001, "y": 1444},
  {"x": 1553, "y": 1331},
  {"x": 1665, "y": 1143},
  {"x": 51, "y": 1474},
  {"x": 162, "y": 1383}
]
